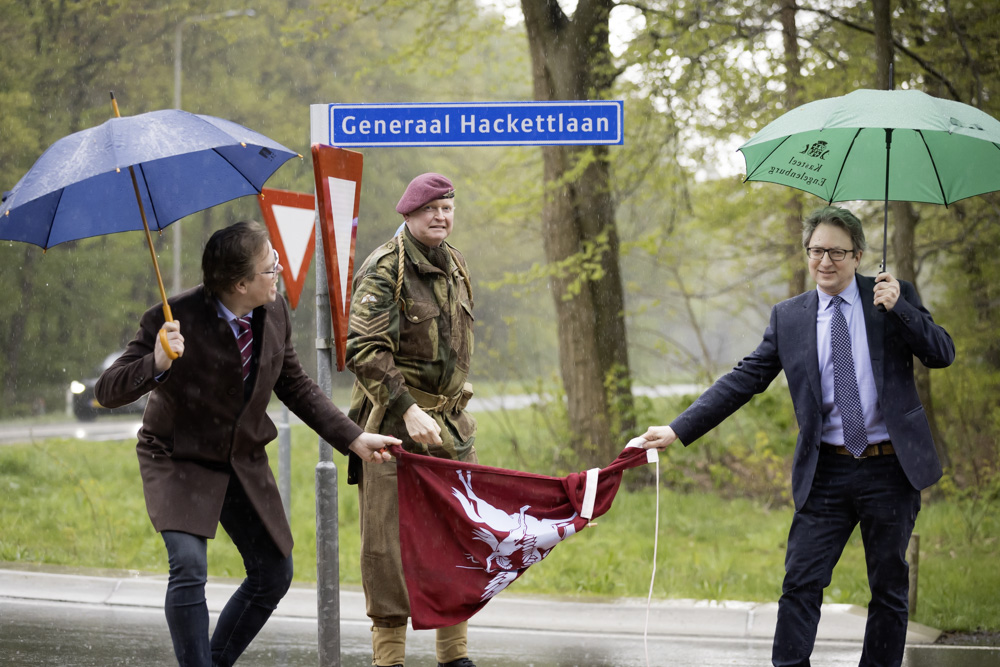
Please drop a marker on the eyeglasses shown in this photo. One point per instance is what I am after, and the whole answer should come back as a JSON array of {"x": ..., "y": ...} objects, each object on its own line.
[
  {"x": 836, "y": 254},
  {"x": 274, "y": 270}
]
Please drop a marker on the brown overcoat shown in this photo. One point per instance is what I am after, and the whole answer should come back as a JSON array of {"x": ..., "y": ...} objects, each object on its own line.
[{"x": 199, "y": 427}]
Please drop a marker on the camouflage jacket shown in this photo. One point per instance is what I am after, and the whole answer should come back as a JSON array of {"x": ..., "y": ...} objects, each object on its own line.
[{"x": 416, "y": 349}]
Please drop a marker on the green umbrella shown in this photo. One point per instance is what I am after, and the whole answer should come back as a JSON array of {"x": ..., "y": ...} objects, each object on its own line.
[{"x": 890, "y": 145}]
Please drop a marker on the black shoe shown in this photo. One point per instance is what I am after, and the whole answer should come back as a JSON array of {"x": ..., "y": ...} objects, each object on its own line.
[{"x": 461, "y": 662}]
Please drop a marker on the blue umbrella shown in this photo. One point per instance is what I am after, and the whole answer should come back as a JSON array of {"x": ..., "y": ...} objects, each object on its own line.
[{"x": 136, "y": 173}]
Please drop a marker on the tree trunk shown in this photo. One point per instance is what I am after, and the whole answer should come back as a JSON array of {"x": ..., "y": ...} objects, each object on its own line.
[
  {"x": 793, "y": 206},
  {"x": 884, "y": 54},
  {"x": 571, "y": 60}
]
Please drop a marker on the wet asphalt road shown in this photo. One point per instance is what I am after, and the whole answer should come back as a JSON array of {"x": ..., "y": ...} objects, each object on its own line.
[{"x": 87, "y": 635}]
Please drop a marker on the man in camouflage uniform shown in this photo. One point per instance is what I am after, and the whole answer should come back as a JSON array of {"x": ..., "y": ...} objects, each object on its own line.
[{"x": 409, "y": 346}]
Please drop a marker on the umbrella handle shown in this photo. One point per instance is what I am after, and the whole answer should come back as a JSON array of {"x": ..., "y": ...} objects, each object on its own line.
[
  {"x": 168, "y": 316},
  {"x": 166, "y": 346}
]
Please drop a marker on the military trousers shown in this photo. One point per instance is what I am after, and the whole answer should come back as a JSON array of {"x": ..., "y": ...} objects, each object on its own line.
[{"x": 386, "y": 600}]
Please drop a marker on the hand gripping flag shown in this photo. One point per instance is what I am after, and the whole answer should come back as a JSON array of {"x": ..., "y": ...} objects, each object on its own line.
[{"x": 467, "y": 531}]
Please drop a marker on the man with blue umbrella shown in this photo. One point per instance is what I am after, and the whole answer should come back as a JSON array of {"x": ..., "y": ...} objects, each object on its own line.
[
  {"x": 202, "y": 443},
  {"x": 864, "y": 450}
]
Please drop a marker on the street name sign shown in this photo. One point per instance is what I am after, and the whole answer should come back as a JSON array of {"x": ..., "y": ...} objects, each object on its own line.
[{"x": 469, "y": 124}]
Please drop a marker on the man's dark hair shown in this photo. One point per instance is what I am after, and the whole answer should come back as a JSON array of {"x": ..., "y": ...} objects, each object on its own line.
[
  {"x": 231, "y": 255},
  {"x": 838, "y": 217}
]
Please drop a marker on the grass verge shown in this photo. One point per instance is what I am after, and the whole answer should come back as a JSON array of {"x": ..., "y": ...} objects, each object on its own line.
[{"x": 80, "y": 503}]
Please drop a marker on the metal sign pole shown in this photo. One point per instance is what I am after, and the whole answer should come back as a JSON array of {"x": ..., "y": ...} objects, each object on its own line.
[
  {"x": 290, "y": 218},
  {"x": 327, "y": 529},
  {"x": 285, "y": 462}
]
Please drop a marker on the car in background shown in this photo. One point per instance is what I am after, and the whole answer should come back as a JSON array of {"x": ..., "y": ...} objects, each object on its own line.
[{"x": 84, "y": 403}]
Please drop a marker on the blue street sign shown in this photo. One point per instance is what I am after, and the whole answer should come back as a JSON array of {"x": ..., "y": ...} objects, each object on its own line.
[{"x": 469, "y": 124}]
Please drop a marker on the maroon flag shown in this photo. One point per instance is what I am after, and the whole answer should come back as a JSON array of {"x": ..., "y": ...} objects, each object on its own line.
[{"x": 467, "y": 531}]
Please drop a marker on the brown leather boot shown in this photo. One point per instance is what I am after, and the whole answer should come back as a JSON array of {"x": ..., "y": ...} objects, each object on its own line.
[{"x": 461, "y": 662}]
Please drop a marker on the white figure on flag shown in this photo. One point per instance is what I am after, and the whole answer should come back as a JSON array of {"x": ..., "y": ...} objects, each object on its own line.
[{"x": 515, "y": 540}]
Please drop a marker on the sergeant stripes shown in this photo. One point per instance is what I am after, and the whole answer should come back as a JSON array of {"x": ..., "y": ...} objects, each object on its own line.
[{"x": 375, "y": 325}]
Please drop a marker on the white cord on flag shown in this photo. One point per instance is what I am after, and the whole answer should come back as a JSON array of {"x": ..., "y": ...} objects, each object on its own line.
[
  {"x": 652, "y": 456},
  {"x": 652, "y": 576}
]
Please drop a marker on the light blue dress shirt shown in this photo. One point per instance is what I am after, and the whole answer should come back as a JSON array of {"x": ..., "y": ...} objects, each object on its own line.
[
  {"x": 833, "y": 429},
  {"x": 230, "y": 317}
]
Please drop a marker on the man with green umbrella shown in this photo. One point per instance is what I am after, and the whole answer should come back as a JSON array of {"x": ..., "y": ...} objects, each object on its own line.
[{"x": 864, "y": 450}]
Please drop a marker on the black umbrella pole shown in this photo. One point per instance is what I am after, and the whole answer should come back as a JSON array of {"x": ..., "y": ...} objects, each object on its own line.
[{"x": 885, "y": 206}]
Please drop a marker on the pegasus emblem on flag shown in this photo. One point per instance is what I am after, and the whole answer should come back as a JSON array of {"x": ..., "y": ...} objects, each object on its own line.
[{"x": 515, "y": 540}]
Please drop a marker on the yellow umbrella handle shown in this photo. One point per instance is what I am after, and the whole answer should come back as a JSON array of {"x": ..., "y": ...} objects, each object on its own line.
[{"x": 168, "y": 316}]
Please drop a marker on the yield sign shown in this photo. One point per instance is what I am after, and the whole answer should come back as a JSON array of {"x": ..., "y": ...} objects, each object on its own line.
[
  {"x": 291, "y": 221},
  {"x": 338, "y": 193}
]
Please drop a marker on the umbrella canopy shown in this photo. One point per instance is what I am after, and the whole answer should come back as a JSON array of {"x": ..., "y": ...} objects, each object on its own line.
[
  {"x": 136, "y": 173},
  {"x": 941, "y": 151},
  {"x": 183, "y": 163}
]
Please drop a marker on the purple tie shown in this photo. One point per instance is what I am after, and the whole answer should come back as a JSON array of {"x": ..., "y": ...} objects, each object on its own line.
[
  {"x": 245, "y": 342},
  {"x": 845, "y": 383}
]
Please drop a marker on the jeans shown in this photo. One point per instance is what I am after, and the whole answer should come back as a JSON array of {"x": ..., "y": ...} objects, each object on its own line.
[
  {"x": 874, "y": 493},
  {"x": 269, "y": 574}
]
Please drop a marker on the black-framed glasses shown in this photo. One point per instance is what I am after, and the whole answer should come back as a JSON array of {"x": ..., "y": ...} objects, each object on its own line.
[
  {"x": 274, "y": 270},
  {"x": 836, "y": 254}
]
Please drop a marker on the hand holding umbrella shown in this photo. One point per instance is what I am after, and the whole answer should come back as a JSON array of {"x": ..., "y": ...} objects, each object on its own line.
[
  {"x": 171, "y": 346},
  {"x": 886, "y": 291}
]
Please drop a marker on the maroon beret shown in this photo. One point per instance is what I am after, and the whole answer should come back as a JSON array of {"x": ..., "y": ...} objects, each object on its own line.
[{"x": 423, "y": 189}]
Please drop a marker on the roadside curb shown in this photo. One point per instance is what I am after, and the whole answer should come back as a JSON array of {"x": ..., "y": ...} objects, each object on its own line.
[{"x": 729, "y": 619}]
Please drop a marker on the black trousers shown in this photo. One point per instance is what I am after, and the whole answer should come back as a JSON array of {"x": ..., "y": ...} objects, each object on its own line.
[
  {"x": 846, "y": 492},
  {"x": 269, "y": 574}
]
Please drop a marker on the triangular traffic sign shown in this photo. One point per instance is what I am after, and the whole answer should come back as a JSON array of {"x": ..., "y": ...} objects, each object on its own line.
[
  {"x": 338, "y": 193},
  {"x": 291, "y": 221}
]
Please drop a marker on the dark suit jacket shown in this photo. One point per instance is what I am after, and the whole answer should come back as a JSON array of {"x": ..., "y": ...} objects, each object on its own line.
[
  {"x": 789, "y": 344},
  {"x": 199, "y": 427}
]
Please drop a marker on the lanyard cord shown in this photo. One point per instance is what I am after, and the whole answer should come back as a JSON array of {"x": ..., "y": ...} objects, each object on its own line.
[{"x": 652, "y": 576}]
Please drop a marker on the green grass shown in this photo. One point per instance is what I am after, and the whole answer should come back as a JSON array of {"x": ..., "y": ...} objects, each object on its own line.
[{"x": 80, "y": 503}]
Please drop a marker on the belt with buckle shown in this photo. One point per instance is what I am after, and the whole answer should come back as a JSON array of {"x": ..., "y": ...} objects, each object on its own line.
[
  {"x": 877, "y": 449},
  {"x": 435, "y": 402}
]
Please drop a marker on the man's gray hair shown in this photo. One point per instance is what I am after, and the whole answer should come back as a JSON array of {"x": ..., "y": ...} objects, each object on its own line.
[{"x": 838, "y": 217}]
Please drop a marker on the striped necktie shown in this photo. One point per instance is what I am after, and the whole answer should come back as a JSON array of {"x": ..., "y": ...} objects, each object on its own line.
[
  {"x": 845, "y": 382},
  {"x": 245, "y": 342}
]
